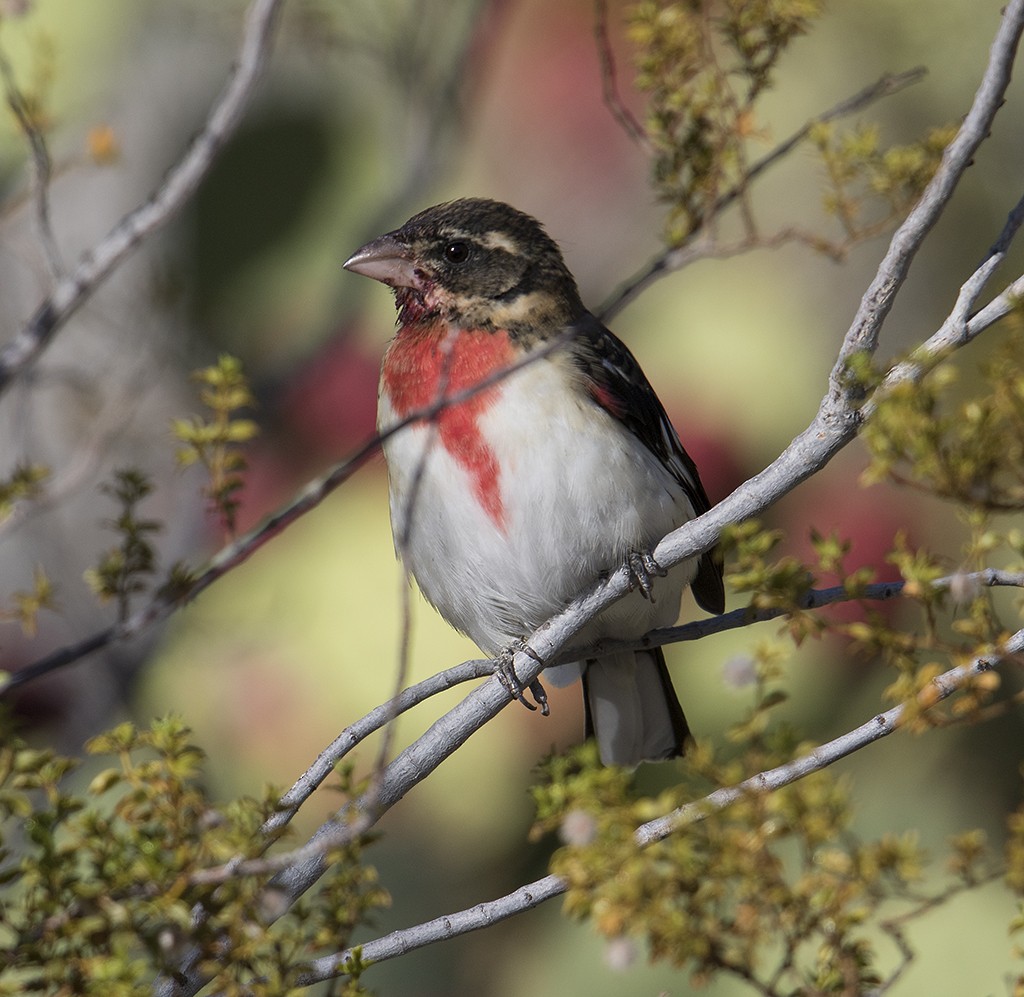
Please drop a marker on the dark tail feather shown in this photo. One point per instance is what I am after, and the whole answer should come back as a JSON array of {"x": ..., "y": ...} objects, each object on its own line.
[{"x": 632, "y": 708}]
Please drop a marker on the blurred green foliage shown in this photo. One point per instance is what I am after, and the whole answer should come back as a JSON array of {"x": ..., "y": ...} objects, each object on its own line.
[
  {"x": 102, "y": 891},
  {"x": 968, "y": 448},
  {"x": 214, "y": 442},
  {"x": 122, "y": 571},
  {"x": 24, "y": 483},
  {"x": 776, "y": 889},
  {"x": 703, "y": 66}
]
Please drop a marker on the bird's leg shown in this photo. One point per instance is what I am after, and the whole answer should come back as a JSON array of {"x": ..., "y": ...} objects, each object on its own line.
[
  {"x": 643, "y": 569},
  {"x": 506, "y": 673}
]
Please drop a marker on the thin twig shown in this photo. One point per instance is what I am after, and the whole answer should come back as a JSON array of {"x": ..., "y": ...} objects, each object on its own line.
[
  {"x": 98, "y": 262},
  {"x": 813, "y": 599},
  {"x": 893, "y": 926},
  {"x": 961, "y": 327},
  {"x": 609, "y": 81},
  {"x": 42, "y": 168},
  {"x": 885, "y": 86},
  {"x": 85, "y": 459},
  {"x": 325, "y": 764},
  {"x": 676, "y": 257},
  {"x": 328, "y": 759}
]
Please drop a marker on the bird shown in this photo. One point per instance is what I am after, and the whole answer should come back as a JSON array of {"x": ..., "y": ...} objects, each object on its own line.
[{"x": 510, "y": 495}]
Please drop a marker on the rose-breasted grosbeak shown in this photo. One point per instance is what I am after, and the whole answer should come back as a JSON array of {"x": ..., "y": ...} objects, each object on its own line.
[{"x": 514, "y": 499}]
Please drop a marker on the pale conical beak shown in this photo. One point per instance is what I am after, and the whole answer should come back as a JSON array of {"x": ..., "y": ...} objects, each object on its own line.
[{"x": 387, "y": 260}]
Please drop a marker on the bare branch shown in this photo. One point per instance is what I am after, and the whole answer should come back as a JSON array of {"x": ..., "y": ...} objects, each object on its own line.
[
  {"x": 813, "y": 599},
  {"x": 998, "y": 308},
  {"x": 961, "y": 327},
  {"x": 609, "y": 82},
  {"x": 531, "y": 895},
  {"x": 328, "y": 759},
  {"x": 878, "y": 299},
  {"x": 440, "y": 929},
  {"x": 84, "y": 461},
  {"x": 97, "y": 263}
]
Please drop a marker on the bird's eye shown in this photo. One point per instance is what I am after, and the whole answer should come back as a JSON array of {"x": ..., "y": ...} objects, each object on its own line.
[{"x": 456, "y": 252}]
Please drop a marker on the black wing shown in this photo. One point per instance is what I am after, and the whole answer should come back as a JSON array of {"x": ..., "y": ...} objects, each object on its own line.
[{"x": 618, "y": 384}]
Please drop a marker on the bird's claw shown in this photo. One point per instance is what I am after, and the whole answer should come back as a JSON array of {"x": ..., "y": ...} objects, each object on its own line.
[
  {"x": 643, "y": 569},
  {"x": 506, "y": 673}
]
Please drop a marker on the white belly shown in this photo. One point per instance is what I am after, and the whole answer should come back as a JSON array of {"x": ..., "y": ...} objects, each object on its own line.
[{"x": 578, "y": 492}]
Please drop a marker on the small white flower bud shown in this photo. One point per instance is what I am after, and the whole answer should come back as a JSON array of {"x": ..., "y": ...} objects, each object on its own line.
[
  {"x": 578, "y": 828},
  {"x": 620, "y": 953}
]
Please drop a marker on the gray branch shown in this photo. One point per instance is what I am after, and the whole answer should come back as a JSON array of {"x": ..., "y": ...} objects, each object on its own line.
[
  {"x": 527, "y": 897},
  {"x": 467, "y": 671},
  {"x": 97, "y": 263}
]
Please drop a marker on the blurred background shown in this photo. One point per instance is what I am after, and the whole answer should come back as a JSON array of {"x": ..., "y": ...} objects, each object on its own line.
[{"x": 370, "y": 111}]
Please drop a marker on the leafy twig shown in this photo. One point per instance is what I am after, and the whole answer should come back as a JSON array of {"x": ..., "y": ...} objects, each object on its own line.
[
  {"x": 697, "y": 245},
  {"x": 120, "y": 572},
  {"x": 215, "y": 442}
]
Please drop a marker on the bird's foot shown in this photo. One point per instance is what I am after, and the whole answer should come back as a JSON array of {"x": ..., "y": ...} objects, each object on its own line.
[
  {"x": 643, "y": 569},
  {"x": 505, "y": 670}
]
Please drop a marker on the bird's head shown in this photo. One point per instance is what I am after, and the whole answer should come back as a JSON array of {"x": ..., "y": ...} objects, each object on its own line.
[{"x": 476, "y": 264}]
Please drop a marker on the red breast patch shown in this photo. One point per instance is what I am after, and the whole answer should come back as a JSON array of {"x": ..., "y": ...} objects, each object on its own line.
[{"x": 420, "y": 366}]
